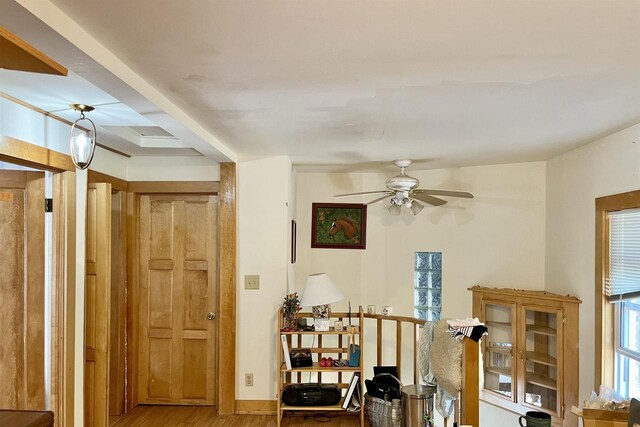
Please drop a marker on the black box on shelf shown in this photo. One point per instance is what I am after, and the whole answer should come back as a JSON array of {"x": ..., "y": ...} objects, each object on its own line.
[
  {"x": 301, "y": 358},
  {"x": 311, "y": 394}
]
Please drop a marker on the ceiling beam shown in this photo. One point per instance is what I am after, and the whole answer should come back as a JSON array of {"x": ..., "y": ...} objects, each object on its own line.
[
  {"x": 45, "y": 10},
  {"x": 18, "y": 55}
]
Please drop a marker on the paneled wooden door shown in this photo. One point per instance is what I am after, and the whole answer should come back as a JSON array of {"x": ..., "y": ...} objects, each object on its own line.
[
  {"x": 22, "y": 382},
  {"x": 97, "y": 305},
  {"x": 178, "y": 299}
]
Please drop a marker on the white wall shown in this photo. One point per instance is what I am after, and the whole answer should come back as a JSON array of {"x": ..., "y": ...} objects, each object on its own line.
[
  {"x": 263, "y": 230},
  {"x": 496, "y": 239},
  {"x": 574, "y": 180},
  {"x": 174, "y": 168},
  {"x": 22, "y": 123},
  {"x": 30, "y": 126}
]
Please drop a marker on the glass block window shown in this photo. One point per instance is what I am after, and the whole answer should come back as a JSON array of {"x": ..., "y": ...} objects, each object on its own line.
[{"x": 428, "y": 285}]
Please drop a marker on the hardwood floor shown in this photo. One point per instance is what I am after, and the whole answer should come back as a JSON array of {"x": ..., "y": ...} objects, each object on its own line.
[{"x": 199, "y": 416}]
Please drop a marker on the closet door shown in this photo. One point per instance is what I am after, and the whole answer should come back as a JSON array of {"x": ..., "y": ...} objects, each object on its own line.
[
  {"x": 97, "y": 305},
  {"x": 22, "y": 382},
  {"x": 177, "y": 299}
]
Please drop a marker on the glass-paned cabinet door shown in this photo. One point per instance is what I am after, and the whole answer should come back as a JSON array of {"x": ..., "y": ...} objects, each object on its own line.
[
  {"x": 543, "y": 333},
  {"x": 498, "y": 345}
]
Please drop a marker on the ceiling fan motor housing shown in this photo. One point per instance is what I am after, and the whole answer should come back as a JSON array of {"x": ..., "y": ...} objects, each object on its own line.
[{"x": 402, "y": 183}]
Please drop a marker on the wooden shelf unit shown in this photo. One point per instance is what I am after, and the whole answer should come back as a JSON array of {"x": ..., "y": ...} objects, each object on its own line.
[
  {"x": 337, "y": 350},
  {"x": 539, "y": 371}
]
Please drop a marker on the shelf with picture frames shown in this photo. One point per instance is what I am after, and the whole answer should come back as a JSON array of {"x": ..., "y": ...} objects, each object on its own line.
[{"x": 530, "y": 360}]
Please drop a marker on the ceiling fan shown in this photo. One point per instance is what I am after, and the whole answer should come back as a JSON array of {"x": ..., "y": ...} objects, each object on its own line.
[{"x": 404, "y": 192}]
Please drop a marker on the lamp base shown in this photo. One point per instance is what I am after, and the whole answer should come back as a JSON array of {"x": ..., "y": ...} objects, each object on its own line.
[{"x": 321, "y": 315}]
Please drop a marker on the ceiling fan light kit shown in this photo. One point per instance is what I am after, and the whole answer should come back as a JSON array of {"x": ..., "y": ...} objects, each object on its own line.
[
  {"x": 82, "y": 141},
  {"x": 402, "y": 189}
]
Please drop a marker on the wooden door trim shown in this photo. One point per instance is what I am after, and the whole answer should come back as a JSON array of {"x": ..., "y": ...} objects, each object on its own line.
[
  {"x": 174, "y": 187},
  {"x": 98, "y": 253},
  {"x": 20, "y": 55},
  {"x": 26, "y": 154},
  {"x": 118, "y": 385},
  {"x": 226, "y": 189},
  {"x": 227, "y": 285},
  {"x": 35, "y": 299},
  {"x": 133, "y": 299},
  {"x": 63, "y": 295},
  {"x": 117, "y": 184}
]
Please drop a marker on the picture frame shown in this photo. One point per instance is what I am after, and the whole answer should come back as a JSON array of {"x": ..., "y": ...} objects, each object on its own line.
[
  {"x": 338, "y": 225},
  {"x": 294, "y": 231}
]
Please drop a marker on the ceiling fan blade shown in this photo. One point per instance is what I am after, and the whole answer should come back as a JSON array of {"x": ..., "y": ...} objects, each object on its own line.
[
  {"x": 428, "y": 199},
  {"x": 379, "y": 198},
  {"x": 362, "y": 193},
  {"x": 448, "y": 193}
]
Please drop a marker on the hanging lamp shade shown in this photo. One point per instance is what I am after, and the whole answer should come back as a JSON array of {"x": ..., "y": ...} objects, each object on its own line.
[
  {"x": 416, "y": 207},
  {"x": 82, "y": 142}
]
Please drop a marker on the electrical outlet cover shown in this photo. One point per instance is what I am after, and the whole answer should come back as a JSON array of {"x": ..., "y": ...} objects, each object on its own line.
[{"x": 251, "y": 281}]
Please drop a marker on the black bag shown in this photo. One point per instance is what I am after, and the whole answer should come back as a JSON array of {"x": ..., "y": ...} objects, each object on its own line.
[{"x": 384, "y": 386}]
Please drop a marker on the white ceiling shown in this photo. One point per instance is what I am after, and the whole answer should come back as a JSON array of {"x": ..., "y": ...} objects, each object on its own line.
[{"x": 345, "y": 82}]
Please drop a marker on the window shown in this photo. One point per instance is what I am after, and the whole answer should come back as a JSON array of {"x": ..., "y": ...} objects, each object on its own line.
[
  {"x": 627, "y": 363},
  {"x": 428, "y": 285},
  {"x": 620, "y": 308}
]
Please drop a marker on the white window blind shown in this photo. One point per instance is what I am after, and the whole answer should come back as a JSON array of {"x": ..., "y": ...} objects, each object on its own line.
[{"x": 624, "y": 255}]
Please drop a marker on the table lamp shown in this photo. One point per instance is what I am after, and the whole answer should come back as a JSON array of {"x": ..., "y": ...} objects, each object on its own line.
[{"x": 319, "y": 293}]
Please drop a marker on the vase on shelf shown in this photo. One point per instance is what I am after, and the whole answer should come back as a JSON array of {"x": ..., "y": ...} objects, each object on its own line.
[
  {"x": 290, "y": 323},
  {"x": 290, "y": 309}
]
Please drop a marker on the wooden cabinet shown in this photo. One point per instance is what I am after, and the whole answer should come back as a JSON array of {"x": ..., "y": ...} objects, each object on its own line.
[
  {"x": 331, "y": 343},
  {"x": 530, "y": 356}
]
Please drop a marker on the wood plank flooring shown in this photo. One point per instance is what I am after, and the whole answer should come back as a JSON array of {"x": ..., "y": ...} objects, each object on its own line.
[{"x": 199, "y": 416}]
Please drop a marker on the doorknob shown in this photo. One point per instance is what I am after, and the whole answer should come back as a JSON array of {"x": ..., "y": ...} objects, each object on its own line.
[{"x": 211, "y": 315}]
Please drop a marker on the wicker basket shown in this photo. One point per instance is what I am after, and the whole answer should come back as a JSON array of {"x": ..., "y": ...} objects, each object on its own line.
[{"x": 379, "y": 411}]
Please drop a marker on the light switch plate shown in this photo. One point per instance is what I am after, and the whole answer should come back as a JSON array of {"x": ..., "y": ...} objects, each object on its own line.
[{"x": 251, "y": 281}]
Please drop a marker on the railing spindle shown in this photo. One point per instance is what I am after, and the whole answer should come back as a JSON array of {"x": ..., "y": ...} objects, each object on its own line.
[{"x": 399, "y": 346}]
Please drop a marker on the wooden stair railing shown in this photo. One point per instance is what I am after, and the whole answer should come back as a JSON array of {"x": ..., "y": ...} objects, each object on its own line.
[{"x": 467, "y": 411}]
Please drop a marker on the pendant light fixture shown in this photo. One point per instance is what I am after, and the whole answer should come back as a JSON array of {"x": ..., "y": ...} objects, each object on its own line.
[{"x": 82, "y": 142}]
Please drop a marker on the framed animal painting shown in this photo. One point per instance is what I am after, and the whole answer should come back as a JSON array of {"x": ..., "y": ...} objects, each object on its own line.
[{"x": 339, "y": 225}]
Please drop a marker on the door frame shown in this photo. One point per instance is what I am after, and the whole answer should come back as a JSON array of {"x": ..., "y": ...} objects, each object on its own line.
[
  {"x": 63, "y": 267},
  {"x": 98, "y": 265},
  {"x": 19, "y": 152},
  {"x": 227, "y": 241}
]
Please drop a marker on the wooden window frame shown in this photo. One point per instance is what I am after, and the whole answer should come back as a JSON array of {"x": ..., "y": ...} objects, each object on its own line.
[{"x": 605, "y": 311}]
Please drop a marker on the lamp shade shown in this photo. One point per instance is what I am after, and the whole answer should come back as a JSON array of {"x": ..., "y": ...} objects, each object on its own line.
[
  {"x": 394, "y": 209},
  {"x": 320, "y": 290},
  {"x": 82, "y": 142},
  {"x": 416, "y": 207}
]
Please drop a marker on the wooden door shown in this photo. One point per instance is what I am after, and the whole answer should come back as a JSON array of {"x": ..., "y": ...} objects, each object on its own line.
[
  {"x": 22, "y": 381},
  {"x": 97, "y": 307},
  {"x": 178, "y": 283}
]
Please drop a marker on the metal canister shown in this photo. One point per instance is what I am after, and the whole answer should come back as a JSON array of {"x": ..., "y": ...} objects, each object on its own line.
[{"x": 417, "y": 405}]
